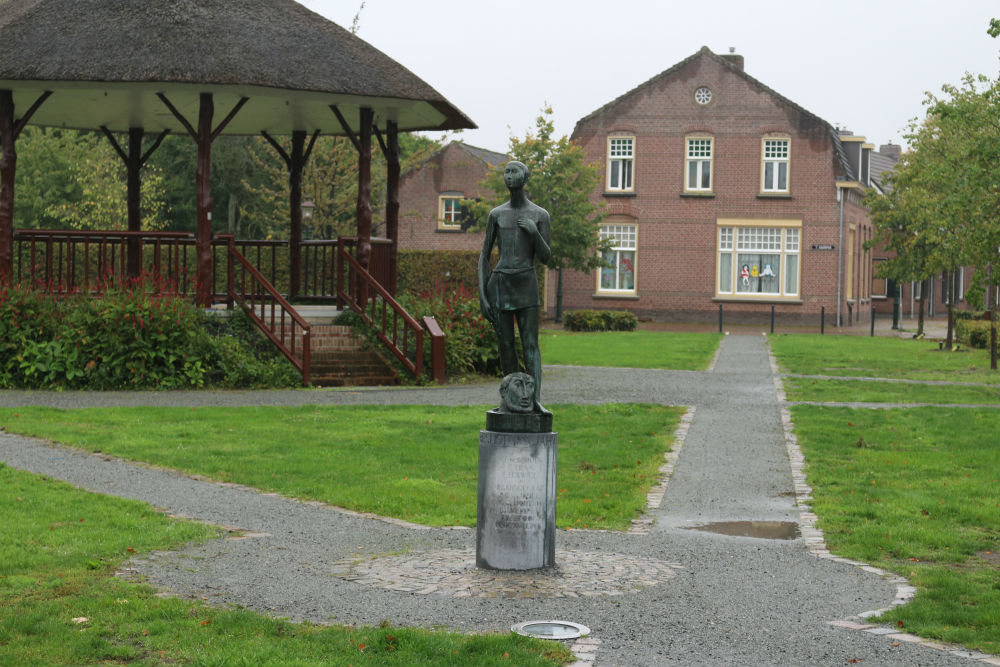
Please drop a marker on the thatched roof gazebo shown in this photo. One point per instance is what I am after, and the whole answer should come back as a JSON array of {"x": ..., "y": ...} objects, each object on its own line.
[{"x": 153, "y": 66}]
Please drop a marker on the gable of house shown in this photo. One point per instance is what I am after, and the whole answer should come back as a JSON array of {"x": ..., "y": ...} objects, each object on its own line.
[
  {"x": 431, "y": 215},
  {"x": 719, "y": 190}
]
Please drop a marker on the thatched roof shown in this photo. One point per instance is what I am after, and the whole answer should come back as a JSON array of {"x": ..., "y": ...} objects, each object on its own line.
[{"x": 106, "y": 60}]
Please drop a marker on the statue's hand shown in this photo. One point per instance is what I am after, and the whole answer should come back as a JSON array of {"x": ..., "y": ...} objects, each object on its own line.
[{"x": 528, "y": 225}]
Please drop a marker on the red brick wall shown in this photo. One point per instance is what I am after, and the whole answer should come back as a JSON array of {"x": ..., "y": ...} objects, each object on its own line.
[
  {"x": 453, "y": 169},
  {"x": 677, "y": 256}
]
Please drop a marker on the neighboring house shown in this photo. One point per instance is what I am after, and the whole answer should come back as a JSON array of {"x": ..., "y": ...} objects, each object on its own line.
[
  {"x": 431, "y": 216},
  {"x": 719, "y": 190}
]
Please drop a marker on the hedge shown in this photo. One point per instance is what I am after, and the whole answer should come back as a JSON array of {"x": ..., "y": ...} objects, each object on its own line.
[{"x": 599, "y": 320}]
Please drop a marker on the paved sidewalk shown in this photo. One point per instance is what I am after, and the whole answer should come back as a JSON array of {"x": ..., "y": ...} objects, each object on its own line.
[{"x": 671, "y": 596}]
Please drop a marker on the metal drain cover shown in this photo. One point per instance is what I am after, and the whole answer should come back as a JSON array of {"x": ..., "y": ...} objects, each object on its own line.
[{"x": 551, "y": 629}]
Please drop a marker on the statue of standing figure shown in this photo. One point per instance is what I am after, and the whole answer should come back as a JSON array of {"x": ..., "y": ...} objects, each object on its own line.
[{"x": 509, "y": 292}]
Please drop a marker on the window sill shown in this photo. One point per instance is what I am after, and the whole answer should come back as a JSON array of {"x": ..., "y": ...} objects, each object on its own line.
[
  {"x": 450, "y": 230},
  {"x": 698, "y": 195},
  {"x": 628, "y": 296},
  {"x": 620, "y": 193},
  {"x": 774, "y": 195},
  {"x": 765, "y": 299}
]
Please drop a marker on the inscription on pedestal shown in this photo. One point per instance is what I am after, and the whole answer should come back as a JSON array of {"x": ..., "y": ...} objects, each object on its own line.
[{"x": 516, "y": 500}]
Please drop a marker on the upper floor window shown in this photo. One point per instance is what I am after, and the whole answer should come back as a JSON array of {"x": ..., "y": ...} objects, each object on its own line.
[
  {"x": 699, "y": 165},
  {"x": 450, "y": 210},
  {"x": 775, "y": 171},
  {"x": 620, "y": 157},
  {"x": 618, "y": 272}
]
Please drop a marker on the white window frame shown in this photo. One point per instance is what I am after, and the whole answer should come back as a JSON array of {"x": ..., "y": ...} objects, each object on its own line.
[
  {"x": 450, "y": 210},
  {"x": 739, "y": 239},
  {"x": 775, "y": 157},
  {"x": 699, "y": 152},
  {"x": 621, "y": 163},
  {"x": 623, "y": 252}
]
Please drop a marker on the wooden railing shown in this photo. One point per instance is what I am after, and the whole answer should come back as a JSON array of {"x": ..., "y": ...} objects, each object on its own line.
[
  {"x": 399, "y": 331},
  {"x": 288, "y": 330},
  {"x": 86, "y": 261}
]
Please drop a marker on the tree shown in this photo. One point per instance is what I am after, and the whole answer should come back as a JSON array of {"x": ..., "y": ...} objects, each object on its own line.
[
  {"x": 943, "y": 210},
  {"x": 561, "y": 182},
  {"x": 71, "y": 179}
]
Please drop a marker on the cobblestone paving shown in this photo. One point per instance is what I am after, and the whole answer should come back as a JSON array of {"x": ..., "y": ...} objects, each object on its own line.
[{"x": 453, "y": 573}]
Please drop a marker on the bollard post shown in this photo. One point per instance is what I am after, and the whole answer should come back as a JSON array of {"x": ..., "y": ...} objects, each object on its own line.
[
  {"x": 720, "y": 318},
  {"x": 873, "y": 321},
  {"x": 822, "y": 320},
  {"x": 772, "y": 318}
]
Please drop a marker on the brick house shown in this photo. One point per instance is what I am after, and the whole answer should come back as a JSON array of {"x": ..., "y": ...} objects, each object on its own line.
[
  {"x": 719, "y": 190},
  {"x": 431, "y": 216}
]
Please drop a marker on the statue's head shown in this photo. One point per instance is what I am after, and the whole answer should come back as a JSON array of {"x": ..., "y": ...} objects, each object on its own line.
[
  {"x": 515, "y": 174},
  {"x": 517, "y": 393}
]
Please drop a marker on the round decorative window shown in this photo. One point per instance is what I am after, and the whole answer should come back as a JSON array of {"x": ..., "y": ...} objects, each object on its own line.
[{"x": 703, "y": 95}]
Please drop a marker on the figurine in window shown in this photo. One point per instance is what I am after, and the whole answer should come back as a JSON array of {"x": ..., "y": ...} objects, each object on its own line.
[{"x": 745, "y": 275}]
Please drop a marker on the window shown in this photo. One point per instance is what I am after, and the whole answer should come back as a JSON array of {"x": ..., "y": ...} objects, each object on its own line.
[
  {"x": 759, "y": 261},
  {"x": 699, "y": 165},
  {"x": 450, "y": 210},
  {"x": 620, "y": 157},
  {"x": 618, "y": 272},
  {"x": 880, "y": 285},
  {"x": 775, "y": 171}
]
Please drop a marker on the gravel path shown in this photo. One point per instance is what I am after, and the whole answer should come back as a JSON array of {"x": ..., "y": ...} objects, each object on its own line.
[{"x": 727, "y": 601}]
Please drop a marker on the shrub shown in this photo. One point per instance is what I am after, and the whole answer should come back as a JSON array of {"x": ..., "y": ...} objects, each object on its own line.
[
  {"x": 974, "y": 333},
  {"x": 599, "y": 320},
  {"x": 969, "y": 315},
  {"x": 132, "y": 336}
]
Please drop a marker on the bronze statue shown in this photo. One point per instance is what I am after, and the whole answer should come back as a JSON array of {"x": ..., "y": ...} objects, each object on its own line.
[{"x": 509, "y": 293}]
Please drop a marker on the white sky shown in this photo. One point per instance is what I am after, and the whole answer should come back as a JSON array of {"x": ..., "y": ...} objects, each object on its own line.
[{"x": 861, "y": 64}]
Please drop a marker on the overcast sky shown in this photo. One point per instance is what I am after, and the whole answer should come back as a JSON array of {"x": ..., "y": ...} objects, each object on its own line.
[{"x": 860, "y": 64}]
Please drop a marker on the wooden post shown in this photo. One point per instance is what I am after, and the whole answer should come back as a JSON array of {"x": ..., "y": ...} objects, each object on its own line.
[
  {"x": 133, "y": 167},
  {"x": 203, "y": 196},
  {"x": 295, "y": 164},
  {"x": 364, "y": 209},
  {"x": 392, "y": 203},
  {"x": 8, "y": 168}
]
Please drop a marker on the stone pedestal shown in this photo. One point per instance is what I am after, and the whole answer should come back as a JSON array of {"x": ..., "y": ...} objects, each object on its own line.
[{"x": 516, "y": 516}]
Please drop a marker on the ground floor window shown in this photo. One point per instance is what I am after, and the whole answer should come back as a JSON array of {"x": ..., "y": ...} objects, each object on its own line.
[
  {"x": 756, "y": 261},
  {"x": 618, "y": 272}
]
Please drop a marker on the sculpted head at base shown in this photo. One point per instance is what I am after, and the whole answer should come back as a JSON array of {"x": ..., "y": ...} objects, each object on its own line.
[{"x": 517, "y": 393}]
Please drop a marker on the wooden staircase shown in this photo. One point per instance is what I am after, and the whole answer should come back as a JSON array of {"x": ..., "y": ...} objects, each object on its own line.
[{"x": 339, "y": 360}]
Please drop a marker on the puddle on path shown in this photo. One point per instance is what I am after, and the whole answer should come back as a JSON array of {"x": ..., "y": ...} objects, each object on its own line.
[{"x": 767, "y": 530}]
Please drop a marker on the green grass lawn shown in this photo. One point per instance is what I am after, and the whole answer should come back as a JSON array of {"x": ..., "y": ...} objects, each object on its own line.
[
  {"x": 915, "y": 491},
  {"x": 61, "y": 605},
  {"x": 859, "y": 356},
  {"x": 417, "y": 463},
  {"x": 852, "y": 391},
  {"x": 629, "y": 349}
]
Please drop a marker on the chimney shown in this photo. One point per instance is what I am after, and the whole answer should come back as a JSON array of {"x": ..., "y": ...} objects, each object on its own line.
[
  {"x": 894, "y": 151},
  {"x": 733, "y": 58}
]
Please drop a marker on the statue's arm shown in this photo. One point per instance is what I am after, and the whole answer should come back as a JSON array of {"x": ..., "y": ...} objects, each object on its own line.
[
  {"x": 543, "y": 240},
  {"x": 483, "y": 272}
]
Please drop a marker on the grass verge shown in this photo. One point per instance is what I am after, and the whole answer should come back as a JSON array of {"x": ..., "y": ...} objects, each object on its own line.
[
  {"x": 416, "y": 463},
  {"x": 915, "y": 491},
  {"x": 60, "y": 603},
  {"x": 858, "y": 356},
  {"x": 629, "y": 349},
  {"x": 856, "y": 391}
]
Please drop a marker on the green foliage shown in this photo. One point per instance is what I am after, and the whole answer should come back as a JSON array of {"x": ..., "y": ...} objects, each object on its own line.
[
  {"x": 600, "y": 320},
  {"x": 561, "y": 181},
  {"x": 973, "y": 332},
  {"x": 470, "y": 340},
  {"x": 72, "y": 179},
  {"x": 451, "y": 269},
  {"x": 128, "y": 337}
]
